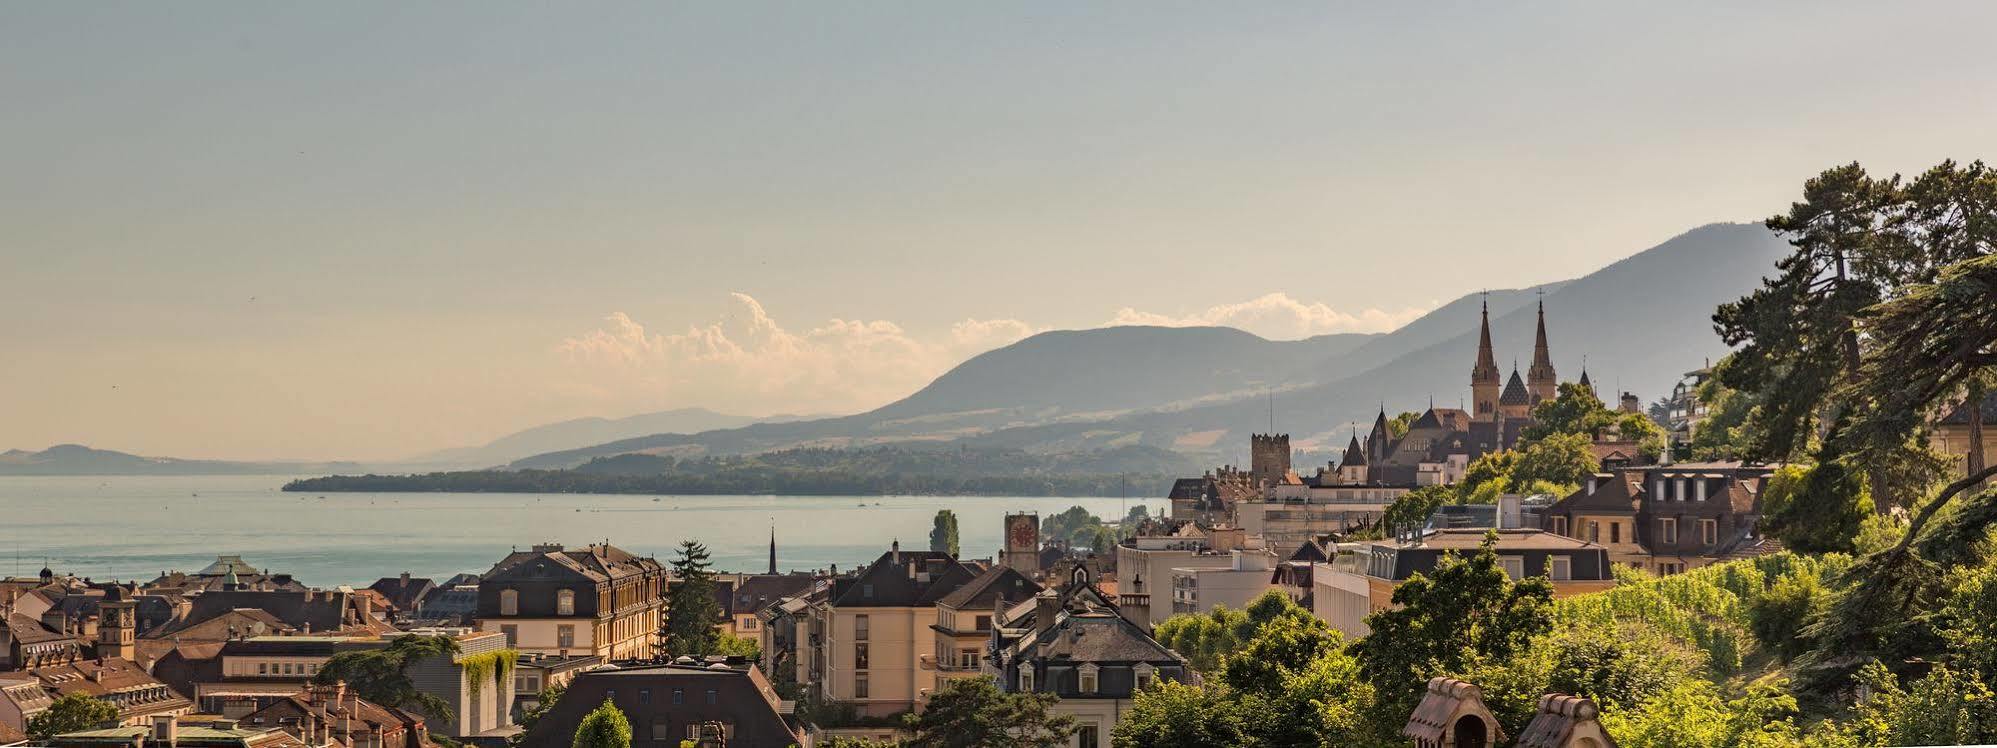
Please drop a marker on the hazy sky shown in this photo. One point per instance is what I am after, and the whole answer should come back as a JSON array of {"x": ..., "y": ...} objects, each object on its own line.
[{"x": 362, "y": 230}]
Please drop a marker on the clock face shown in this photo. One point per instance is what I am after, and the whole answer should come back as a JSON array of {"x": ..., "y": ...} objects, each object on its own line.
[{"x": 1022, "y": 533}]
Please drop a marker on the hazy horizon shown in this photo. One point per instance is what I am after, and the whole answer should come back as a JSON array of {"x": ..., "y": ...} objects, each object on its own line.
[{"x": 370, "y": 231}]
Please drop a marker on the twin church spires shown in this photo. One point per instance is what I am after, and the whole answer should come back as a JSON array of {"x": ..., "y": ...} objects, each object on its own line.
[{"x": 1517, "y": 397}]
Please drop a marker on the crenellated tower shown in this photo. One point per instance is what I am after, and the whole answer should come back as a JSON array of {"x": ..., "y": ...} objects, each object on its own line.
[
  {"x": 1268, "y": 457},
  {"x": 1484, "y": 381},
  {"x": 1539, "y": 378}
]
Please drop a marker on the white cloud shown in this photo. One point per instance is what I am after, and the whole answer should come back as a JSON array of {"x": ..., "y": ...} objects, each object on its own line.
[
  {"x": 747, "y": 362},
  {"x": 1278, "y": 316}
]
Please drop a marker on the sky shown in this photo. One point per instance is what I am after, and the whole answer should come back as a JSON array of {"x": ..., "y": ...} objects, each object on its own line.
[{"x": 369, "y": 230}]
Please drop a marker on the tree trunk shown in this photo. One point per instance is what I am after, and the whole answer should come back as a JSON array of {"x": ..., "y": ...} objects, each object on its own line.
[{"x": 1975, "y": 406}]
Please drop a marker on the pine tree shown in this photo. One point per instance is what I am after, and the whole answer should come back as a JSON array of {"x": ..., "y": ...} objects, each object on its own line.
[
  {"x": 943, "y": 535},
  {"x": 691, "y": 612}
]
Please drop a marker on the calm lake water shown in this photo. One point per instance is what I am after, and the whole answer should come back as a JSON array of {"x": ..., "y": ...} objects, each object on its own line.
[{"x": 135, "y": 527}]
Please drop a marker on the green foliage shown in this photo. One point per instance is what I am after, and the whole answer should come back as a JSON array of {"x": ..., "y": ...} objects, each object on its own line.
[
  {"x": 496, "y": 666},
  {"x": 381, "y": 675},
  {"x": 737, "y": 646},
  {"x": 1560, "y": 459},
  {"x": 603, "y": 727},
  {"x": 871, "y": 471},
  {"x": 1463, "y": 610},
  {"x": 1181, "y": 715},
  {"x": 974, "y": 713},
  {"x": 1818, "y": 509},
  {"x": 1693, "y": 714},
  {"x": 1575, "y": 410},
  {"x": 1725, "y": 434},
  {"x": 691, "y": 610},
  {"x": 1290, "y": 682},
  {"x": 1968, "y": 619},
  {"x": 1206, "y": 639},
  {"x": 1398, "y": 426},
  {"x": 1944, "y": 707},
  {"x": 1074, "y": 526},
  {"x": 71, "y": 712},
  {"x": 1412, "y": 509},
  {"x": 943, "y": 533}
]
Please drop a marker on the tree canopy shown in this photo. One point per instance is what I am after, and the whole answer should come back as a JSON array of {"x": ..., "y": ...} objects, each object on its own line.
[
  {"x": 382, "y": 675},
  {"x": 691, "y": 610},
  {"x": 71, "y": 712},
  {"x": 943, "y": 533},
  {"x": 974, "y": 713},
  {"x": 604, "y": 727}
]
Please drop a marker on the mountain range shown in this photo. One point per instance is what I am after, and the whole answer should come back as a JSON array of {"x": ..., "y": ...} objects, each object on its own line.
[
  {"x": 1639, "y": 323},
  {"x": 76, "y": 459},
  {"x": 592, "y": 430}
]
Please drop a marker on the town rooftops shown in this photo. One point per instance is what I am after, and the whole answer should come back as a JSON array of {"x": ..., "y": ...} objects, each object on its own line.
[
  {"x": 998, "y": 582},
  {"x": 1473, "y": 538},
  {"x": 597, "y": 561},
  {"x": 901, "y": 579}
]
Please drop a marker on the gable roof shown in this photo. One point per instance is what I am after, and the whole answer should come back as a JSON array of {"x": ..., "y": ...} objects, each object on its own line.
[
  {"x": 900, "y": 579},
  {"x": 985, "y": 590},
  {"x": 404, "y": 592},
  {"x": 597, "y": 562},
  {"x": 1515, "y": 392}
]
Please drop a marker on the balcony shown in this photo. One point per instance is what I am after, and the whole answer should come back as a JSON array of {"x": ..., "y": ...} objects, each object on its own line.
[{"x": 1130, "y": 599}]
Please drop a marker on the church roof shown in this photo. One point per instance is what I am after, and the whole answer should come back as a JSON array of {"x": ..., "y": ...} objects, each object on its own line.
[
  {"x": 1354, "y": 456},
  {"x": 1515, "y": 392}
]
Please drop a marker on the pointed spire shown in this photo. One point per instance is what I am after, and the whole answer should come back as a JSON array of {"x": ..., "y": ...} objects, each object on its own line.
[
  {"x": 1486, "y": 369},
  {"x": 773, "y": 546},
  {"x": 1540, "y": 377}
]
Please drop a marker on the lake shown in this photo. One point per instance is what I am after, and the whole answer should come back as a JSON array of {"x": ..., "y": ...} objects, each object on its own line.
[{"x": 131, "y": 527}]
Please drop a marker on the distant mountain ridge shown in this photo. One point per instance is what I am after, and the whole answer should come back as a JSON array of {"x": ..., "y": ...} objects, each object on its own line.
[
  {"x": 579, "y": 432},
  {"x": 76, "y": 459},
  {"x": 1641, "y": 322}
]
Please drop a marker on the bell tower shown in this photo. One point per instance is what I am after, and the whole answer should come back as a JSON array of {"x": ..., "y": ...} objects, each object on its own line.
[
  {"x": 1484, "y": 382},
  {"x": 116, "y": 618},
  {"x": 1539, "y": 378}
]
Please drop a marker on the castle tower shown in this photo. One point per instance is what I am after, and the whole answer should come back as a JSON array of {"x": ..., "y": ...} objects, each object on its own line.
[
  {"x": 116, "y": 618},
  {"x": 1587, "y": 385},
  {"x": 1352, "y": 469},
  {"x": 1379, "y": 440},
  {"x": 1268, "y": 457},
  {"x": 1539, "y": 378},
  {"x": 1484, "y": 382}
]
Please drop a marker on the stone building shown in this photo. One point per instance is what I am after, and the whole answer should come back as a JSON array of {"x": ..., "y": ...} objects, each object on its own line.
[
  {"x": 599, "y": 599},
  {"x": 1669, "y": 518},
  {"x": 865, "y": 641}
]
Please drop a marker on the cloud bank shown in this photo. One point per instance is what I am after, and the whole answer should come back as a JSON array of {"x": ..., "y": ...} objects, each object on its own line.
[
  {"x": 746, "y": 362},
  {"x": 1277, "y": 316}
]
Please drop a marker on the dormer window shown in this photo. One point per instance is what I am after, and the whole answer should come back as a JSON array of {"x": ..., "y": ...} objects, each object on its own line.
[
  {"x": 1026, "y": 678},
  {"x": 1145, "y": 674},
  {"x": 1089, "y": 681},
  {"x": 565, "y": 603},
  {"x": 509, "y": 602}
]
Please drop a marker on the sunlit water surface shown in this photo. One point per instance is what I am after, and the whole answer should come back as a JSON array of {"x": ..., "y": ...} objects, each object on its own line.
[{"x": 135, "y": 527}]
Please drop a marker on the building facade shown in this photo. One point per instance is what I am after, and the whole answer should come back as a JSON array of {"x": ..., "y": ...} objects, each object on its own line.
[{"x": 599, "y": 599}]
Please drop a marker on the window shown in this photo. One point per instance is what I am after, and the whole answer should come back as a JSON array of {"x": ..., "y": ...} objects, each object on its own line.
[
  {"x": 1025, "y": 678},
  {"x": 1709, "y": 531},
  {"x": 1667, "y": 531},
  {"x": 565, "y": 636},
  {"x": 1144, "y": 675},
  {"x": 860, "y": 656},
  {"x": 749, "y": 623},
  {"x": 1701, "y": 489},
  {"x": 1560, "y": 525},
  {"x": 860, "y": 686},
  {"x": 509, "y": 602},
  {"x": 1563, "y": 569},
  {"x": 1679, "y": 484},
  {"x": 1091, "y": 736},
  {"x": 984, "y": 623},
  {"x": 867, "y": 590},
  {"x": 1615, "y": 532},
  {"x": 644, "y": 696},
  {"x": 679, "y": 695},
  {"x": 1594, "y": 531},
  {"x": 1087, "y": 682},
  {"x": 610, "y": 694},
  {"x": 565, "y": 603},
  {"x": 1661, "y": 495},
  {"x": 711, "y": 696},
  {"x": 860, "y": 628},
  {"x": 661, "y": 729},
  {"x": 263, "y": 668},
  {"x": 967, "y": 658},
  {"x": 512, "y": 633},
  {"x": 1514, "y": 566}
]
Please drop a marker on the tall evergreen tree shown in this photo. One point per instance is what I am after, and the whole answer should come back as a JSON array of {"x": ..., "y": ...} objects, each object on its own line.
[
  {"x": 691, "y": 610},
  {"x": 943, "y": 533}
]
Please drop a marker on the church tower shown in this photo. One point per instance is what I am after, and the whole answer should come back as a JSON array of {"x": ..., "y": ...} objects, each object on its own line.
[
  {"x": 1484, "y": 382},
  {"x": 116, "y": 619},
  {"x": 1539, "y": 378}
]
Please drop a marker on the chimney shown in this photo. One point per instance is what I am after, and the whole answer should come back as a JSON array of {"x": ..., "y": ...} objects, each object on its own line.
[
  {"x": 367, "y": 608},
  {"x": 166, "y": 731},
  {"x": 894, "y": 552},
  {"x": 1045, "y": 606},
  {"x": 405, "y": 579}
]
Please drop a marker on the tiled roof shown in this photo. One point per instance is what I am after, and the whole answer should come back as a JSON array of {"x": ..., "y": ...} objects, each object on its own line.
[
  {"x": 903, "y": 579},
  {"x": 1554, "y": 724},
  {"x": 982, "y": 591},
  {"x": 402, "y": 591},
  {"x": 1515, "y": 392}
]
